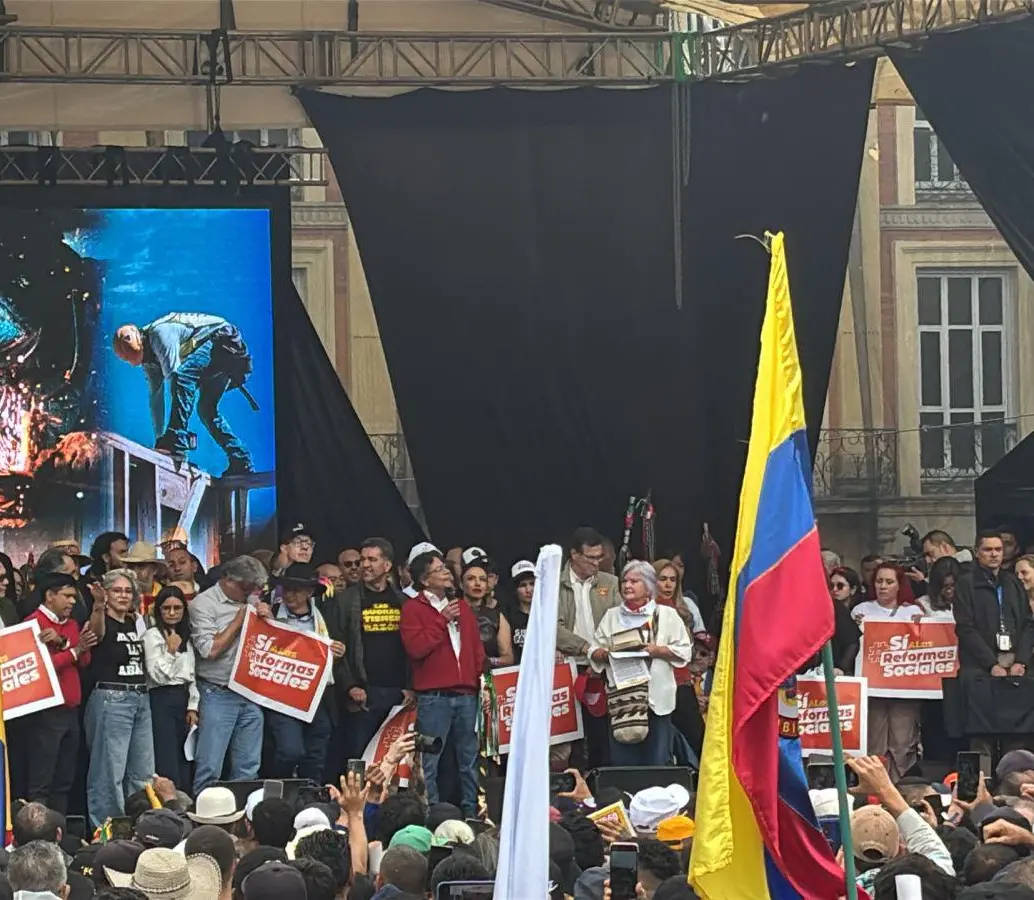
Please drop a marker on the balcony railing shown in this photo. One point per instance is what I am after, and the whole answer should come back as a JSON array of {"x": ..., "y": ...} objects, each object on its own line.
[
  {"x": 952, "y": 456},
  {"x": 856, "y": 463},
  {"x": 391, "y": 448}
]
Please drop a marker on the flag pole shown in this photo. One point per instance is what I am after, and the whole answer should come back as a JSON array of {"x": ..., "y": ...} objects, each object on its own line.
[{"x": 838, "y": 771}]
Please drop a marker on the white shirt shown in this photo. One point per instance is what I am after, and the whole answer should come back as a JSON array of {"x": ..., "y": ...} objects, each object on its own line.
[
  {"x": 439, "y": 604},
  {"x": 165, "y": 668},
  {"x": 410, "y": 591},
  {"x": 584, "y": 626}
]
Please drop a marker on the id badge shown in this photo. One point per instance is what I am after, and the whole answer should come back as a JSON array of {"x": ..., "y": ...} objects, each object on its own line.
[{"x": 1004, "y": 643}]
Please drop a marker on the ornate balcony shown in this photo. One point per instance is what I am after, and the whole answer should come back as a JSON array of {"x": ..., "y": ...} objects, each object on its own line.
[{"x": 855, "y": 464}]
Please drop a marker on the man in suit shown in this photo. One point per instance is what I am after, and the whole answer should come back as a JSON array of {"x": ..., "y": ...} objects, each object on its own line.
[
  {"x": 993, "y": 619},
  {"x": 586, "y": 594}
]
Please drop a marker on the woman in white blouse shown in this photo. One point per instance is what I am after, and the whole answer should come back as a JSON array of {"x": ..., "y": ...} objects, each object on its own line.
[
  {"x": 169, "y": 659},
  {"x": 663, "y": 638}
]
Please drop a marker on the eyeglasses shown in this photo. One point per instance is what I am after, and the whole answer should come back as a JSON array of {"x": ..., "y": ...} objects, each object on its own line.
[
  {"x": 840, "y": 585},
  {"x": 303, "y": 543}
]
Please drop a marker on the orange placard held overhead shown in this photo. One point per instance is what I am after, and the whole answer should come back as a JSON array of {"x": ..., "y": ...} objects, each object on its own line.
[
  {"x": 907, "y": 659},
  {"x": 813, "y": 715},
  {"x": 27, "y": 674},
  {"x": 280, "y": 668},
  {"x": 566, "y": 722}
]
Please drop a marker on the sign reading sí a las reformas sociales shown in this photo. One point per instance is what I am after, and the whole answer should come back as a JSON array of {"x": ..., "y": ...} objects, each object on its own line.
[
  {"x": 566, "y": 721},
  {"x": 280, "y": 668},
  {"x": 27, "y": 673},
  {"x": 907, "y": 659},
  {"x": 813, "y": 715}
]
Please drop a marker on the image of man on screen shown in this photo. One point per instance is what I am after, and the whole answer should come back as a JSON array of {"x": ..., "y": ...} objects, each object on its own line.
[{"x": 201, "y": 357}]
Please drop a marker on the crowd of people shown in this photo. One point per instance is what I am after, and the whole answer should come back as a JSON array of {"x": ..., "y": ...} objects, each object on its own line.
[{"x": 143, "y": 641}]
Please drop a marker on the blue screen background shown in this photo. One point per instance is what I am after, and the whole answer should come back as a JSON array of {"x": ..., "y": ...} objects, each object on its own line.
[{"x": 157, "y": 261}]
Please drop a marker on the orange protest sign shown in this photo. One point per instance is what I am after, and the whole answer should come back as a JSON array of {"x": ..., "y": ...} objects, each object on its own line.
[
  {"x": 903, "y": 658},
  {"x": 27, "y": 674},
  {"x": 813, "y": 715},
  {"x": 280, "y": 668},
  {"x": 566, "y": 723}
]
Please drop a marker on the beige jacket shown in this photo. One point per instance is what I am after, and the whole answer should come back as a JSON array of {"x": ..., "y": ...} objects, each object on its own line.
[{"x": 605, "y": 594}]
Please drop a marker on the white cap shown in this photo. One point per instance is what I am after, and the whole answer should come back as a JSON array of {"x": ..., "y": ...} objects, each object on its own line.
[
  {"x": 420, "y": 549},
  {"x": 472, "y": 554},
  {"x": 522, "y": 567},
  {"x": 254, "y": 799},
  {"x": 653, "y": 805},
  {"x": 311, "y": 817}
]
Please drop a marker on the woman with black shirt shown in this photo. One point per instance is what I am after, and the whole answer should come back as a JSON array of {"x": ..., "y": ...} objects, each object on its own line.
[
  {"x": 171, "y": 685},
  {"x": 523, "y": 575},
  {"x": 495, "y": 629},
  {"x": 118, "y": 714}
]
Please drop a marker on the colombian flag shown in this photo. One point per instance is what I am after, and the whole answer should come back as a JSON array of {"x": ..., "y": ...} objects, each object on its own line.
[{"x": 756, "y": 835}]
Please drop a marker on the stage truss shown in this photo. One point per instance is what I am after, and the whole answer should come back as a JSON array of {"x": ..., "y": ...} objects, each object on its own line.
[
  {"x": 237, "y": 166},
  {"x": 823, "y": 32}
]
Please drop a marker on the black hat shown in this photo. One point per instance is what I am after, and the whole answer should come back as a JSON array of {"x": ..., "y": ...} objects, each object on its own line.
[
  {"x": 300, "y": 575},
  {"x": 274, "y": 881},
  {"x": 161, "y": 828},
  {"x": 83, "y": 861},
  {"x": 115, "y": 856},
  {"x": 253, "y": 859},
  {"x": 291, "y": 530}
]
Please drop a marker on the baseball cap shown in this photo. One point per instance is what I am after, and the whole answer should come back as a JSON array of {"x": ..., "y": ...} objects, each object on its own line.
[
  {"x": 419, "y": 550},
  {"x": 590, "y": 691},
  {"x": 115, "y": 856},
  {"x": 161, "y": 828},
  {"x": 274, "y": 881},
  {"x": 452, "y": 831},
  {"x": 254, "y": 799},
  {"x": 1014, "y": 761},
  {"x": 311, "y": 817},
  {"x": 253, "y": 859},
  {"x": 522, "y": 567},
  {"x": 294, "y": 530},
  {"x": 653, "y": 805},
  {"x": 472, "y": 554},
  {"x": 82, "y": 862},
  {"x": 415, "y": 836},
  {"x": 874, "y": 833}
]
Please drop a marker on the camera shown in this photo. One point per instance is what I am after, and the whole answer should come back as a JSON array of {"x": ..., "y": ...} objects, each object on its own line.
[
  {"x": 425, "y": 744},
  {"x": 911, "y": 556}
]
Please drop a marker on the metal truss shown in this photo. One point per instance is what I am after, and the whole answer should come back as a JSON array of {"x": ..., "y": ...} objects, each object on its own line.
[
  {"x": 108, "y": 166},
  {"x": 836, "y": 30},
  {"x": 292, "y": 59},
  {"x": 824, "y": 31},
  {"x": 617, "y": 15}
]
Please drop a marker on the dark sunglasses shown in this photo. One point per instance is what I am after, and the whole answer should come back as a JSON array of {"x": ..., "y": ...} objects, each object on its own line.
[{"x": 350, "y": 564}]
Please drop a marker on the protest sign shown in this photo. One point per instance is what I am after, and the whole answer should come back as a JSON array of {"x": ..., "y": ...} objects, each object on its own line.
[
  {"x": 813, "y": 715},
  {"x": 566, "y": 722},
  {"x": 27, "y": 674},
  {"x": 907, "y": 659},
  {"x": 280, "y": 668},
  {"x": 400, "y": 720}
]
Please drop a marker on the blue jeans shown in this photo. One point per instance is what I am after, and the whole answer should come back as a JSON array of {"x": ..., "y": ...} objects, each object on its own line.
[
  {"x": 453, "y": 718},
  {"x": 654, "y": 751},
  {"x": 362, "y": 725},
  {"x": 199, "y": 381},
  {"x": 118, "y": 736},
  {"x": 226, "y": 721},
  {"x": 300, "y": 748}
]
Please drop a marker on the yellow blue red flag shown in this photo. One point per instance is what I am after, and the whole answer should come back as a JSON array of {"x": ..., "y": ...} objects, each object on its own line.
[{"x": 756, "y": 834}]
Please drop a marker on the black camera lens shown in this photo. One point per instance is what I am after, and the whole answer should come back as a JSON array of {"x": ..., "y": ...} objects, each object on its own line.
[{"x": 425, "y": 744}]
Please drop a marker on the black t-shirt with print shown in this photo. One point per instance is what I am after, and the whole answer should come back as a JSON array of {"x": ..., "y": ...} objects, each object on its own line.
[
  {"x": 119, "y": 657},
  {"x": 519, "y": 627},
  {"x": 383, "y": 654}
]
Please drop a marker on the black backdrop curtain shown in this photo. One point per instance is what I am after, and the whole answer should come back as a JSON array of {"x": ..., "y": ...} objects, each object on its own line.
[
  {"x": 974, "y": 88},
  {"x": 519, "y": 247},
  {"x": 328, "y": 473}
]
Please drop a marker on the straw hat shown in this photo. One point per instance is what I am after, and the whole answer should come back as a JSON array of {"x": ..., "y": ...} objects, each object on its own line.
[
  {"x": 143, "y": 553},
  {"x": 167, "y": 875}
]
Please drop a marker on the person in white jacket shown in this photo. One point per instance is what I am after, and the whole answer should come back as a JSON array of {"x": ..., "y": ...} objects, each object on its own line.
[
  {"x": 171, "y": 683},
  {"x": 658, "y": 636}
]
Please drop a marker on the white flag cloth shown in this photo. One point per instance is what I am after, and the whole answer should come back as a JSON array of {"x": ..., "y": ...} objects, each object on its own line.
[{"x": 523, "y": 870}]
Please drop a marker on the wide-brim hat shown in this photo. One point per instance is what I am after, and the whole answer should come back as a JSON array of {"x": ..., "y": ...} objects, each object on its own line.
[
  {"x": 143, "y": 553},
  {"x": 215, "y": 806},
  {"x": 70, "y": 547},
  {"x": 301, "y": 576},
  {"x": 166, "y": 875}
]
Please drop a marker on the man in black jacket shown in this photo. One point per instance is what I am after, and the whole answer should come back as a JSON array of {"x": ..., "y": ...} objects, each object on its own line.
[
  {"x": 374, "y": 674},
  {"x": 992, "y": 619}
]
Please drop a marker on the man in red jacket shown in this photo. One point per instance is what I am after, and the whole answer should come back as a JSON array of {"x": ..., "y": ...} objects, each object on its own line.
[
  {"x": 53, "y": 734},
  {"x": 446, "y": 657}
]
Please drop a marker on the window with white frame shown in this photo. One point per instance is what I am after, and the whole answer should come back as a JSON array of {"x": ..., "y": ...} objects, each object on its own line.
[
  {"x": 963, "y": 371},
  {"x": 935, "y": 170}
]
